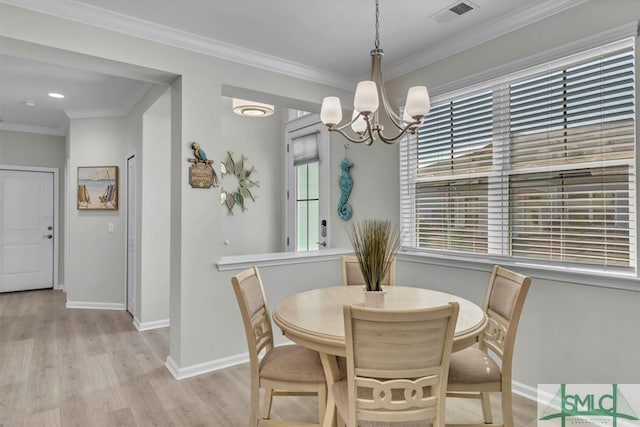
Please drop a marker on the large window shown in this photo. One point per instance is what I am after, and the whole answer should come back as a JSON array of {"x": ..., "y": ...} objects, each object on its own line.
[{"x": 538, "y": 165}]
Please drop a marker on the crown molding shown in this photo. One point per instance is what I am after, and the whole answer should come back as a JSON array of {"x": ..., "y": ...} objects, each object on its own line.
[
  {"x": 478, "y": 35},
  {"x": 113, "y": 21},
  {"x": 41, "y": 130},
  {"x": 95, "y": 114},
  {"x": 91, "y": 15}
]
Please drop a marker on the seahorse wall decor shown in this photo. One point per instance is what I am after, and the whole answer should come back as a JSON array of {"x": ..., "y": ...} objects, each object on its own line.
[{"x": 346, "y": 184}]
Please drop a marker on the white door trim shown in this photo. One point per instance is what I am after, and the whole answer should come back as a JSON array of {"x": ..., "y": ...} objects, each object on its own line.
[
  {"x": 129, "y": 205},
  {"x": 56, "y": 209}
]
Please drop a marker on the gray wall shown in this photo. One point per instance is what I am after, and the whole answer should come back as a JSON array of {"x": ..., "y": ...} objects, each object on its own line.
[
  {"x": 261, "y": 141},
  {"x": 155, "y": 218},
  {"x": 96, "y": 266},
  {"x": 148, "y": 134},
  {"x": 569, "y": 333},
  {"x": 31, "y": 149}
]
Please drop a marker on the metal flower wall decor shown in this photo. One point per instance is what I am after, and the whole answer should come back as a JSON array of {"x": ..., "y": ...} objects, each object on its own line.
[{"x": 244, "y": 176}]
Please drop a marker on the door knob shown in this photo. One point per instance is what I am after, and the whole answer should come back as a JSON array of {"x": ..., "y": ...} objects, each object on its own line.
[{"x": 48, "y": 236}]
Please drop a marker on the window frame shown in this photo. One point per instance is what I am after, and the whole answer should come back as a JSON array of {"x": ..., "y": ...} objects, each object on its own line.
[
  {"x": 498, "y": 209},
  {"x": 299, "y": 127}
]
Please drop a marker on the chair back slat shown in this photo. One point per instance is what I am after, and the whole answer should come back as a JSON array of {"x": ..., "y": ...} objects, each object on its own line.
[
  {"x": 262, "y": 331},
  {"x": 396, "y": 395},
  {"x": 494, "y": 335}
]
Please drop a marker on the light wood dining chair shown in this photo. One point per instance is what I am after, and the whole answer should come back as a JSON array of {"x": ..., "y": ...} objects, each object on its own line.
[
  {"x": 289, "y": 370},
  {"x": 352, "y": 275},
  {"x": 397, "y": 364},
  {"x": 473, "y": 372}
]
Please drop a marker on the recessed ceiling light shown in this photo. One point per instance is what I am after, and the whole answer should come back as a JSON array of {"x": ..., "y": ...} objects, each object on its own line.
[
  {"x": 251, "y": 108},
  {"x": 56, "y": 95},
  {"x": 29, "y": 103}
]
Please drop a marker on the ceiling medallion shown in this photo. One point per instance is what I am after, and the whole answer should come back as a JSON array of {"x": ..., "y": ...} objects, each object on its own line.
[{"x": 251, "y": 108}]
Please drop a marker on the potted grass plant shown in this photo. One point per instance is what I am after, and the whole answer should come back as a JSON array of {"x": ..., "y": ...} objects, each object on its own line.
[{"x": 375, "y": 243}]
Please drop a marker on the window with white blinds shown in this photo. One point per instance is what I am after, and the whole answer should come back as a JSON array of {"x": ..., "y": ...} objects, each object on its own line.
[{"x": 537, "y": 165}]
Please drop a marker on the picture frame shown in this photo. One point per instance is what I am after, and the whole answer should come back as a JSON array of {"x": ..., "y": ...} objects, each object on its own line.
[{"x": 97, "y": 188}]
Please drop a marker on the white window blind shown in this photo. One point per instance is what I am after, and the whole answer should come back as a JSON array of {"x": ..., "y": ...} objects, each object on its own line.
[
  {"x": 539, "y": 166},
  {"x": 305, "y": 149}
]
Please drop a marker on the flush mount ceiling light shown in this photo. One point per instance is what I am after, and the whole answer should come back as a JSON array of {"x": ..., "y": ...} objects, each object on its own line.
[
  {"x": 369, "y": 95},
  {"x": 251, "y": 108},
  {"x": 56, "y": 95},
  {"x": 29, "y": 103}
]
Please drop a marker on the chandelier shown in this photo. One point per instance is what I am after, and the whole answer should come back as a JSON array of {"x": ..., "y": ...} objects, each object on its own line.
[{"x": 368, "y": 97}]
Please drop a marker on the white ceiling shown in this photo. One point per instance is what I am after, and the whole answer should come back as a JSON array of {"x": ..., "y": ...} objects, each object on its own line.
[
  {"x": 87, "y": 94},
  {"x": 326, "y": 41}
]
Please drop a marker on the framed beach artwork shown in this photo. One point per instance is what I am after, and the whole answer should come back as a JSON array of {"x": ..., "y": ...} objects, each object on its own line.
[{"x": 97, "y": 188}]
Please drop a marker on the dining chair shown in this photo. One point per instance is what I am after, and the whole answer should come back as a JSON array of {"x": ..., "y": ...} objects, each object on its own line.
[
  {"x": 397, "y": 363},
  {"x": 289, "y": 370},
  {"x": 352, "y": 275},
  {"x": 473, "y": 372}
]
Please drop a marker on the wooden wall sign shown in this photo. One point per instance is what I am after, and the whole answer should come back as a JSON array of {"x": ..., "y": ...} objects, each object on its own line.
[{"x": 201, "y": 173}]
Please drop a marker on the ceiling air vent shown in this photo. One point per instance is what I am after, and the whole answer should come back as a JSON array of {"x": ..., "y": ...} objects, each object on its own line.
[{"x": 453, "y": 11}]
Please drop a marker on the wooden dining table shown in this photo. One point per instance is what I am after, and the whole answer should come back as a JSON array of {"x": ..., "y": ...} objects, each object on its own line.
[{"x": 314, "y": 319}]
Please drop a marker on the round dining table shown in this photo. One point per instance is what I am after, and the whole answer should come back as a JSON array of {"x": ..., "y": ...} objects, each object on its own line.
[{"x": 314, "y": 319}]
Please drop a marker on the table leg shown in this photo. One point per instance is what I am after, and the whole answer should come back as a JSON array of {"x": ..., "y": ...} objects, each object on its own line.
[{"x": 331, "y": 372}]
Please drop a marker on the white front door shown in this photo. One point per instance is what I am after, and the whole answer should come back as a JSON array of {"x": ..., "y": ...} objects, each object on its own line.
[
  {"x": 26, "y": 230},
  {"x": 131, "y": 235}
]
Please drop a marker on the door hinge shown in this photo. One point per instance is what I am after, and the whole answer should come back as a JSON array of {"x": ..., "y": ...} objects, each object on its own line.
[
  {"x": 287, "y": 148},
  {"x": 287, "y": 242},
  {"x": 287, "y": 194}
]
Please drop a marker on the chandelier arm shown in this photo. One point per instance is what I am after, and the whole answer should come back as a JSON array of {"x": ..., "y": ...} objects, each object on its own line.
[
  {"x": 346, "y": 135},
  {"x": 376, "y": 75},
  {"x": 395, "y": 118},
  {"x": 349, "y": 123},
  {"x": 406, "y": 129}
]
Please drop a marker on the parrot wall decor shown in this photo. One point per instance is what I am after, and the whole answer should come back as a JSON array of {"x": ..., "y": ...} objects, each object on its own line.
[{"x": 201, "y": 173}]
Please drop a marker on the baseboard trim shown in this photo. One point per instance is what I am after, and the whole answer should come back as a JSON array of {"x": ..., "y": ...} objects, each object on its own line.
[
  {"x": 524, "y": 390},
  {"x": 147, "y": 326},
  {"x": 202, "y": 368},
  {"x": 95, "y": 305},
  {"x": 531, "y": 393}
]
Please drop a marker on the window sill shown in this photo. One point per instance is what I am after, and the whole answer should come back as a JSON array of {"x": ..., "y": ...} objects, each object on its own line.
[
  {"x": 239, "y": 262},
  {"x": 573, "y": 275}
]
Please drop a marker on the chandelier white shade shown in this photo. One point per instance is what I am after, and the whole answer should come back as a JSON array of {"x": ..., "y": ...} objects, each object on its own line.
[
  {"x": 366, "y": 99},
  {"x": 331, "y": 113},
  {"x": 370, "y": 97}
]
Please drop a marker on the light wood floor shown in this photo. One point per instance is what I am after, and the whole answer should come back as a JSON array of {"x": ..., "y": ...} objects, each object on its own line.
[{"x": 73, "y": 367}]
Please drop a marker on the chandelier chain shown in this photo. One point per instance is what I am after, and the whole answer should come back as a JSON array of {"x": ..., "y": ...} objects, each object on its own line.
[{"x": 377, "y": 43}]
